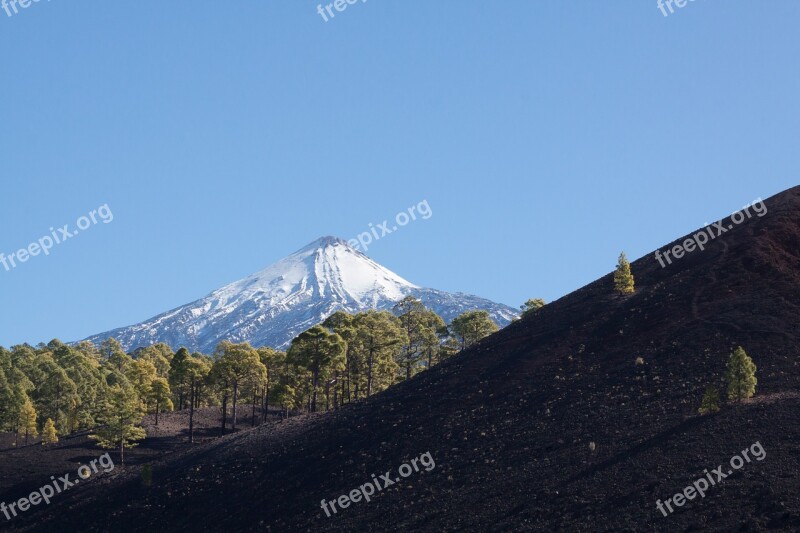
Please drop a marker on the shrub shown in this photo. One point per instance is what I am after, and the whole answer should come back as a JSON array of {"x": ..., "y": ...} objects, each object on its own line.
[{"x": 710, "y": 403}]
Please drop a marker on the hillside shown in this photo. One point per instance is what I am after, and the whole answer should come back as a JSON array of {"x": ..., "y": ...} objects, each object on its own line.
[{"x": 509, "y": 423}]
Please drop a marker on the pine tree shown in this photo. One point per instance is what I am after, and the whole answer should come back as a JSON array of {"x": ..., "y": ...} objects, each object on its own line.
[
  {"x": 472, "y": 326},
  {"x": 237, "y": 365},
  {"x": 274, "y": 361},
  {"x": 179, "y": 376},
  {"x": 56, "y": 393},
  {"x": 420, "y": 327},
  {"x": 141, "y": 373},
  {"x": 380, "y": 336},
  {"x": 27, "y": 420},
  {"x": 710, "y": 403},
  {"x": 285, "y": 396},
  {"x": 321, "y": 353},
  {"x": 49, "y": 433},
  {"x": 7, "y": 402},
  {"x": 112, "y": 353},
  {"x": 344, "y": 325},
  {"x": 623, "y": 279},
  {"x": 160, "y": 396},
  {"x": 121, "y": 418},
  {"x": 197, "y": 370},
  {"x": 432, "y": 345},
  {"x": 84, "y": 371},
  {"x": 741, "y": 376},
  {"x": 532, "y": 306}
]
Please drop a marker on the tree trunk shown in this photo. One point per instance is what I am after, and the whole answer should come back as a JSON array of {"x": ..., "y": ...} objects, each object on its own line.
[
  {"x": 314, "y": 384},
  {"x": 369, "y": 375},
  {"x": 255, "y": 397},
  {"x": 122, "y": 451},
  {"x": 191, "y": 417},
  {"x": 224, "y": 412},
  {"x": 266, "y": 401},
  {"x": 157, "y": 406},
  {"x": 235, "y": 399},
  {"x": 58, "y": 396}
]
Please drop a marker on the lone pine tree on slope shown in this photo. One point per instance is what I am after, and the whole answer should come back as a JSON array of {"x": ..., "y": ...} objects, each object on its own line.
[
  {"x": 49, "y": 433},
  {"x": 623, "y": 279},
  {"x": 741, "y": 376}
]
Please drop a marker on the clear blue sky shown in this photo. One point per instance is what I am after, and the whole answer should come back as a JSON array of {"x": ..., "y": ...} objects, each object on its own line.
[{"x": 545, "y": 136}]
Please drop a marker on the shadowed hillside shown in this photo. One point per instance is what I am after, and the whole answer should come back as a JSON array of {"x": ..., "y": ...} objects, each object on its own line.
[{"x": 509, "y": 423}]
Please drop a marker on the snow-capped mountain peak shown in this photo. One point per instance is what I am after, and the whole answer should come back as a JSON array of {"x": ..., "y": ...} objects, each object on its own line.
[{"x": 273, "y": 305}]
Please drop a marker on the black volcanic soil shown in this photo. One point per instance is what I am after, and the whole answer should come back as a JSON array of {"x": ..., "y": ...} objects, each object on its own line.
[
  {"x": 27, "y": 468},
  {"x": 509, "y": 423}
]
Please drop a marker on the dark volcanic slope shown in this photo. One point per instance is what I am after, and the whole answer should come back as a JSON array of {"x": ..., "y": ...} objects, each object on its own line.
[{"x": 509, "y": 423}]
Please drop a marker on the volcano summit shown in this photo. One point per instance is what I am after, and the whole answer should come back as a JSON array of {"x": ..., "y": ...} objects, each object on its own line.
[{"x": 274, "y": 305}]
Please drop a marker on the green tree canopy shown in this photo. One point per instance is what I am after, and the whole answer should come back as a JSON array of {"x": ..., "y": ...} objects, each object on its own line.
[
  {"x": 160, "y": 395},
  {"x": 532, "y": 306},
  {"x": 27, "y": 420},
  {"x": 49, "y": 433},
  {"x": 121, "y": 421},
  {"x": 741, "y": 376},
  {"x": 710, "y": 403},
  {"x": 472, "y": 326},
  {"x": 420, "y": 326},
  {"x": 319, "y": 351},
  {"x": 380, "y": 337},
  {"x": 237, "y": 365},
  {"x": 623, "y": 278}
]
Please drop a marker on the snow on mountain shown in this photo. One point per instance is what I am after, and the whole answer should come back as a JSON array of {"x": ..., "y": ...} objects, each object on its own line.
[{"x": 274, "y": 305}]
